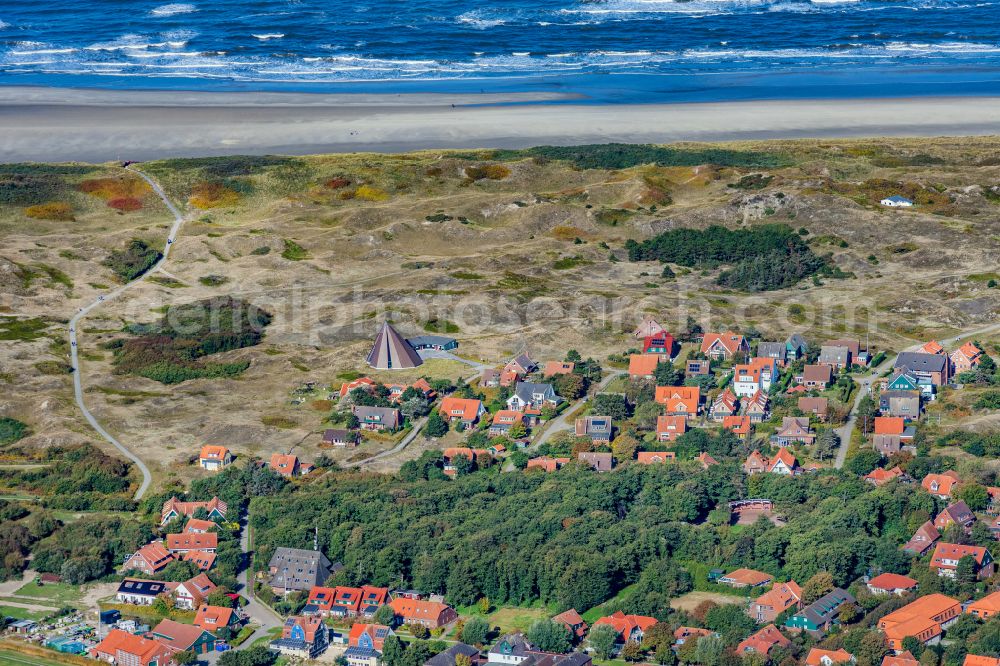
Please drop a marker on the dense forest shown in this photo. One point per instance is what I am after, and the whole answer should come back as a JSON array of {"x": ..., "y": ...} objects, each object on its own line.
[
  {"x": 171, "y": 350},
  {"x": 762, "y": 258},
  {"x": 576, "y": 539}
]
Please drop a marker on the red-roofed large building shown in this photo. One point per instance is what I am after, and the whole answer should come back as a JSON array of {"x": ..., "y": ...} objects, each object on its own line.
[
  {"x": 890, "y": 583},
  {"x": 925, "y": 619},
  {"x": 985, "y": 608},
  {"x": 980, "y": 660},
  {"x": 174, "y": 508},
  {"x": 151, "y": 559},
  {"x": 188, "y": 541},
  {"x": 746, "y": 578},
  {"x": 904, "y": 658},
  {"x": 763, "y": 641},
  {"x": 946, "y": 556},
  {"x": 642, "y": 366},
  {"x": 431, "y": 614},
  {"x": 768, "y": 606},
  {"x": 125, "y": 649},
  {"x": 628, "y": 627},
  {"x": 679, "y": 400},
  {"x": 966, "y": 358}
]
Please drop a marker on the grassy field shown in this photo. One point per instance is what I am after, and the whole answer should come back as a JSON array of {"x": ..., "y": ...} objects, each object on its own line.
[
  {"x": 23, "y": 613},
  {"x": 59, "y": 593},
  {"x": 9, "y": 658},
  {"x": 599, "y": 611}
]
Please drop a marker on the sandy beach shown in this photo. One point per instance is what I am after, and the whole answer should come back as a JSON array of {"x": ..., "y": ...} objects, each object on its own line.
[{"x": 48, "y": 124}]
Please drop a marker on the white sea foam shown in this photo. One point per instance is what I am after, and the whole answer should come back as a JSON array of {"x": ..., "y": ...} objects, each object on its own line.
[
  {"x": 173, "y": 9},
  {"x": 268, "y": 36},
  {"x": 4, "y": 25}
]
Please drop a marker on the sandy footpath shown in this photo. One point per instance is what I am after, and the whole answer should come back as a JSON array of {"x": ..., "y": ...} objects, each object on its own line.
[{"x": 54, "y": 125}]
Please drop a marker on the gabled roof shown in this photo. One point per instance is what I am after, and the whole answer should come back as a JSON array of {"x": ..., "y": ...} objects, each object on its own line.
[
  {"x": 817, "y": 373},
  {"x": 284, "y": 464},
  {"x": 144, "y": 649},
  {"x": 891, "y": 581},
  {"x": 904, "y": 658},
  {"x": 213, "y": 617},
  {"x": 748, "y": 577},
  {"x": 174, "y": 505},
  {"x": 706, "y": 460},
  {"x": 940, "y": 484},
  {"x": 626, "y": 624},
  {"x": 821, "y": 657},
  {"x": 781, "y": 597},
  {"x": 467, "y": 409},
  {"x": 643, "y": 365},
  {"x": 176, "y": 635},
  {"x": 416, "y": 609},
  {"x": 880, "y": 475},
  {"x": 763, "y": 641},
  {"x": 740, "y": 425},
  {"x": 553, "y": 368},
  {"x": 889, "y": 425},
  {"x": 785, "y": 457},
  {"x": 679, "y": 398},
  {"x": 919, "y": 362},
  {"x": 647, "y": 327},
  {"x": 922, "y": 539},
  {"x": 726, "y": 399},
  {"x": 213, "y": 452},
  {"x": 728, "y": 340},
  {"x": 669, "y": 424},
  {"x": 391, "y": 351},
  {"x": 969, "y": 351},
  {"x": 143, "y": 587},
  {"x": 954, "y": 552},
  {"x": 193, "y": 541},
  {"x": 932, "y": 347}
]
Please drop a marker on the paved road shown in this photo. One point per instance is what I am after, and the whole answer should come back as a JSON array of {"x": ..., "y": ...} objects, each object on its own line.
[
  {"x": 844, "y": 432},
  {"x": 84, "y": 311},
  {"x": 259, "y": 613}
]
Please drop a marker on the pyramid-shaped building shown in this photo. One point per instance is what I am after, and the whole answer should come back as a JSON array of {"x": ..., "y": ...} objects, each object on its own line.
[{"x": 391, "y": 351}]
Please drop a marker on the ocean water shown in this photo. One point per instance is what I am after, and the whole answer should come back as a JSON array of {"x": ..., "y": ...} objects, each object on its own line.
[{"x": 605, "y": 50}]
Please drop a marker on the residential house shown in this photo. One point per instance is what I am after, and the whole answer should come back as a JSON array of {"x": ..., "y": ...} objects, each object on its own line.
[
  {"x": 298, "y": 570},
  {"x": 213, "y": 457},
  {"x": 628, "y": 627},
  {"x": 340, "y": 437},
  {"x": 726, "y": 345},
  {"x": 985, "y": 608},
  {"x": 979, "y": 660},
  {"x": 763, "y": 641},
  {"x": 679, "y": 400},
  {"x": 741, "y": 578},
  {"x": 834, "y": 357},
  {"x": 198, "y": 526},
  {"x": 661, "y": 343},
  {"x": 706, "y": 460},
  {"x": 854, "y": 347},
  {"x": 941, "y": 485},
  {"x": 553, "y": 368},
  {"x": 932, "y": 347},
  {"x": 684, "y": 634},
  {"x": 925, "y": 619},
  {"x": 305, "y": 637},
  {"x": 573, "y": 623},
  {"x": 184, "y": 542},
  {"x": 466, "y": 411},
  {"x": 192, "y": 593},
  {"x": 933, "y": 367},
  {"x": 378, "y": 418},
  {"x": 648, "y": 327},
  {"x": 601, "y": 462},
  {"x": 287, "y": 465},
  {"x": 431, "y": 614},
  {"x": 151, "y": 559},
  {"x": 773, "y": 350},
  {"x": 756, "y": 463},
  {"x": 368, "y": 636},
  {"x": 796, "y": 346},
  {"x": 342, "y": 601},
  {"x": 510, "y": 650},
  {"x": 818, "y": 407},
  {"x": 698, "y": 367},
  {"x": 966, "y": 358},
  {"x": 793, "y": 429},
  {"x": 783, "y": 463},
  {"x": 477, "y": 456},
  {"x": 490, "y": 378},
  {"x": 904, "y": 658},
  {"x": 815, "y": 377},
  {"x": 366, "y": 383},
  {"x": 890, "y": 583},
  {"x": 757, "y": 375},
  {"x": 642, "y": 366},
  {"x": 214, "y": 618},
  {"x": 958, "y": 513},
  {"x": 905, "y": 404},
  {"x": 669, "y": 428},
  {"x": 725, "y": 404},
  {"x": 947, "y": 555},
  {"x": 531, "y": 394},
  {"x": 922, "y": 540},
  {"x": 140, "y": 592},
  {"x": 903, "y": 380},
  {"x": 821, "y": 657},
  {"x": 768, "y": 606},
  {"x": 739, "y": 425},
  {"x": 174, "y": 508},
  {"x": 597, "y": 428},
  {"x": 820, "y": 615},
  {"x": 125, "y": 649},
  {"x": 184, "y": 637},
  {"x": 505, "y": 419},
  {"x": 655, "y": 457},
  {"x": 756, "y": 408},
  {"x": 891, "y": 434},
  {"x": 546, "y": 463},
  {"x": 450, "y": 656},
  {"x": 881, "y": 476}
]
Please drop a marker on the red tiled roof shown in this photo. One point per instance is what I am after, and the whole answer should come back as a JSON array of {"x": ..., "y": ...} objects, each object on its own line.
[
  {"x": 213, "y": 452},
  {"x": 642, "y": 365},
  {"x": 730, "y": 341},
  {"x": 653, "y": 457},
  {"x": 816, "y": 657},
  {"x": 465, "y": 408},
  {"x": 749, "y": 577},
  {"x": 738, "y": 424},
  {"x": 193, "y": 541},
  {"x": 626, "y": 624},
  {"x": 891, "y": 581},
  {"x": 211, "y": 618},
  {"x": 889, "y": 425},
  {"x": 762, "y": 641}
]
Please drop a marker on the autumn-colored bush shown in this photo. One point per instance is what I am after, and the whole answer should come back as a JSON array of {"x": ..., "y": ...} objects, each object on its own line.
[
  {"x": 369, "y": 193},
  {"x": 337, "y": 183},
  {"x": 53, "y": 210},
  {"x": 213, "y": 195},
  {"x": 487, "y": 172},
  {"x": 565, "y": 232},
  {"x": 117, "y": 187},
  {"x": 125, "y": 204}
]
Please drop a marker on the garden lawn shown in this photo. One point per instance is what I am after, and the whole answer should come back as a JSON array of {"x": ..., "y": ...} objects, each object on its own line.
[{"x": 60, "y": 593}]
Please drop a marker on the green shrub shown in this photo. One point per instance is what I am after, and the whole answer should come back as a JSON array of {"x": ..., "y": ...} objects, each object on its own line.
[
  {"x": 293, "y": 251},
  {"x": 137, "y": 258},
  {"x": 12, "y": 430},
  {"x": 624, "y": 156}
]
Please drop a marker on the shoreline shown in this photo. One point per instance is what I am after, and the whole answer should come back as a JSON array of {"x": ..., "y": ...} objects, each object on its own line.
[{"x": 50, "y": 124}]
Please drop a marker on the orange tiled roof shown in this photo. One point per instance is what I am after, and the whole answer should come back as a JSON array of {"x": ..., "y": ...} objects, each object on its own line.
[
  {"x": 654, "y": 457},
  {"x": 465, "y": 408},
  {"x": 749, "y": 577},
  {"x": 945, "y": 483},
  {"x": 979, "y": 660},
  {"x": 891, "y": 581},
  {"x": 816, "y": 657},
  {"x": 729, "y": 340},
  {"x": 643, "y": 365},
  {"x": 284, "y": 464},
  {"x": 211, "y": 618},
  {"x": 213, "y": 452},
  {"x": 889, "y": 425},
  {"x": 679, "y": 398},
  {"x": 193, "y": 541},
  {"x": 626, "y": 624},
  {"x": 738, "y": 424}
]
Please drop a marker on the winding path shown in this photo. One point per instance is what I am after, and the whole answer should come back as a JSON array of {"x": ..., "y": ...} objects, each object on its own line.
[{"x": 84, "y": 311}]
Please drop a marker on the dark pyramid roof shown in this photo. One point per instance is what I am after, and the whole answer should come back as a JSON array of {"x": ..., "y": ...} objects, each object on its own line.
[{"x": 391, "y": 351}]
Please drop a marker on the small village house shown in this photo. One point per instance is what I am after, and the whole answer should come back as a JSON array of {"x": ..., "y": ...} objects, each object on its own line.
[
  {"x": 794, "y": 429},
  {"x": 985, "y": 608},
  {"x": 891, "y": 434},
  {"x": 654, "y": 457},
  {"x": 941, "y": 485},
  {"x": 377, "y": 418},
  {"x": 890, "y": 583},
  {"x": 966, "y": 358},
  {"x": 546, "y": 463},
  {"x": 724, "y": 346},
  {"x": 925, "y": 619},
  {"x": 738, "y": 425},
  {"x": 573, "y": 622},
  {"x": 140, "y": 592},
  {"x": 628, "y": 627},
  {"x": 532, "y": 395},
  {"x": 598, "y": 429},
  {"x": 174, "y": 508},
  {"x": 821, "y": 657},
  {"x": 933, "y": 367},
  {"x": 741, "y": 578},
  {"x": 661, "y": 343},
  {"x": 922, "y": 540},
  {"x": 834, "y": 357},
  {"x": 340, "y": 438},
  {"x": 669, "y": 428},
  {"x": 505, "y": 419},
  {"x": 679, "y": 400},
  {"x": 946, "y": 557},
  {"x": 955, "y": 514},
  {"x": 183, "y": 637},
  {"x": 600, "y": 462},
  {"x": 698, "y": 367},
  {"x": 214, "y": 618},
  {"x": 214, "y": 457},
  {"x": 819, "y": 616},
  {"x": 642, "y": 366},
  {"x": 431, "y": 614},
  {"x": 193, "y": 593},
  {"x": 905, "y": 404},
  {"x": 815, "y": 377},
  {"x": 768, "y": 606},
  {"x": 756, "y": 408},
  {"x": 881, "y": 476},
  {"x": 125, "y": 649},
  {"x": 477, "y": 456},
  {"x": 725, "y": 404},
  {"x": 555, "y": 368},
  {"x": 305, "y": 637},
  {"x": 151, "y": 559},
  {"x": 287, "y": 465},
  {"x": 763, "y": 641},
  {"x": 818, "y": 407}
]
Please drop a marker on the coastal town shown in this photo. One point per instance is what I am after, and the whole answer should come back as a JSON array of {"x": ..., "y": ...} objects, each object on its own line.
[{"x": 693, "y": 403}]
